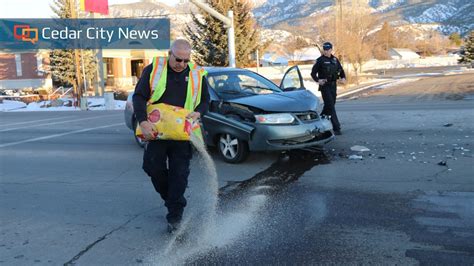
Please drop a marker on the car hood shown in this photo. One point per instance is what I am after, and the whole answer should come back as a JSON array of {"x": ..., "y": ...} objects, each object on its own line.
[{"x": 291, "y": 101}]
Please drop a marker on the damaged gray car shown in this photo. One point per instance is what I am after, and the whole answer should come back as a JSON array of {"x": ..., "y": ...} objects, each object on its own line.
[{"x": 248, "y": 112}]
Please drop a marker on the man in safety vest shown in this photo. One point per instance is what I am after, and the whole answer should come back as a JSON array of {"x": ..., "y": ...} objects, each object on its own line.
[{"x": 172, "y": 80}]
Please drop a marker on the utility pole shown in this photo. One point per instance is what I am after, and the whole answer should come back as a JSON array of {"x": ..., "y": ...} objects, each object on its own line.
[
  {"x": 77, "y": 60},
  {"x": 229, "y": 24}
]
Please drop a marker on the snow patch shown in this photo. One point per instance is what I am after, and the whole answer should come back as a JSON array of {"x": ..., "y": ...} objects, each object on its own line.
[
  {"x": 8, "y": 105},
  {"x": 437, "y": 13},
  {"x": 93, "y": 104}
]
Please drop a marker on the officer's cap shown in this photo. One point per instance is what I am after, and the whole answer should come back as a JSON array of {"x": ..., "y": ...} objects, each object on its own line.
[{"x": 327, "y": 46}]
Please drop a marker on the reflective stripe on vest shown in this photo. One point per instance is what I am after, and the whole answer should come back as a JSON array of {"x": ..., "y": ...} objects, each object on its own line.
[{"x": 158, "y": 82}]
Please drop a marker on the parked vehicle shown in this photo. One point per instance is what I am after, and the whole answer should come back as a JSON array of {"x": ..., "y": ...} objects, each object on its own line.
[{"x": 248, "y": 112}]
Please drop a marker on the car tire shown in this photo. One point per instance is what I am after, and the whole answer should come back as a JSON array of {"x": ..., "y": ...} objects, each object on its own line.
[
  {"x": 138, "y": 140},
  {"x": 232, "y": 149}
]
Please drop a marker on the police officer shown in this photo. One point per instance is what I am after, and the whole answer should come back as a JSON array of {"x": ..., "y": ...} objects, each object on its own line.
[
  {"x": 167, "y": 80},
  {"x": 326, "y": 71}
]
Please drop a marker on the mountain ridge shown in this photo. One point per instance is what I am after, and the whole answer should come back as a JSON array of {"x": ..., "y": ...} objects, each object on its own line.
[{"x": 451, "y": 15}]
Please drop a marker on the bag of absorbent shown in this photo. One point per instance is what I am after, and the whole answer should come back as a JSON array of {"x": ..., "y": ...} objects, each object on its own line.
[{"x": 169, "y": 122}]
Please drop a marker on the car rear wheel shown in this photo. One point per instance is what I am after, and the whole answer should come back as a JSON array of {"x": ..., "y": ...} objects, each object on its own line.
[
  {"x": 232, "y": 149},
  {"x": 138, "y": 140}
]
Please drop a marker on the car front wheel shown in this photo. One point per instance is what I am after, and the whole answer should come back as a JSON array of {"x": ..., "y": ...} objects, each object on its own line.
[{"x": 232, "y": 149}]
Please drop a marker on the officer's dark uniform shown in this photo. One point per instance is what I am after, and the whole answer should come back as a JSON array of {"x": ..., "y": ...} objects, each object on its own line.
[
  {"x": 167, "y": 161},
  {"x": 329, "y": 68}
]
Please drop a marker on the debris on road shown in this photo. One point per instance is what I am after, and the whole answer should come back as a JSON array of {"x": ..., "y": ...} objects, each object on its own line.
[
  {"x": 443, "y": 163},
  {"x": 381, "y": 157},
  {"x": 359, "y": 148},
  {"x": 447, "y": 125},
  {"x": 355, "y": 157}
]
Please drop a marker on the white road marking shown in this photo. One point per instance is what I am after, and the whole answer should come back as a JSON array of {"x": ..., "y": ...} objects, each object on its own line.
[
  {"x": 34, "y": 121},
  {"x": 57, "y": 135},
  {"x": 55, "y": 123}
]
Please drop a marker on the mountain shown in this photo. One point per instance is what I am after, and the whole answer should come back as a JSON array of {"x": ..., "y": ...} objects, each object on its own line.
[
  {"x": 281, "y": 19},
  {"x": 449, "y": 15}
]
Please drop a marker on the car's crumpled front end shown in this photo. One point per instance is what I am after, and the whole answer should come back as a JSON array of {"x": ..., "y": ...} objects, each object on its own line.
[
  {"x": 305, "y": 129},
  {"x": 281, "y": 121},
  {"x": 265, "y": 130}
]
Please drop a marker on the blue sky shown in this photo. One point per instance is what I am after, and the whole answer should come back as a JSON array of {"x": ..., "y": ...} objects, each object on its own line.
[{"x": 40, "y": 8}]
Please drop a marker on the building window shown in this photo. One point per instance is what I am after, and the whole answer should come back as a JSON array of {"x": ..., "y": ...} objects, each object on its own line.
[
  {"x": 109, "y": 71},
  {"x": 19, "y": 72}
]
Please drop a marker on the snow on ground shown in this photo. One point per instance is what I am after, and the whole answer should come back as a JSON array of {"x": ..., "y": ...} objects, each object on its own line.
[
  {"x": 8, "y": 105},
  {"x": 56, "y": 105},
  {"x": 398, "y": 82}
]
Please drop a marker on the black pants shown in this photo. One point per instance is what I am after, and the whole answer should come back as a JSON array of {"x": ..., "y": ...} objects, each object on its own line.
[
  {"x": 328, "y": 91},
  {"x": 167, "y": 163}
]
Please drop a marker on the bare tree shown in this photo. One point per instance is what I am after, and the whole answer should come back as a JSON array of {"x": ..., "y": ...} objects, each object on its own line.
[
  {"x": 353, "y": 40},
  {"x": 293, "y": 45},
  {"x": 433, "y": 44},
  {"x": 383, "y": 40},
  {"x": 348, "y": 28}
]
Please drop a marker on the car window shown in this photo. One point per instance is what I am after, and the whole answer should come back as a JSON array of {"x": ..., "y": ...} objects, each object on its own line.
[
  {"x": 216, "y": 81},
  {"x": 292, "y": 80},
  {"x": 240, "y": 84}
]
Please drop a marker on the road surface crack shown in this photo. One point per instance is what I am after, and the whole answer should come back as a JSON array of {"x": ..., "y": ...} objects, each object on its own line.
[{"x": 102, "y": 238}]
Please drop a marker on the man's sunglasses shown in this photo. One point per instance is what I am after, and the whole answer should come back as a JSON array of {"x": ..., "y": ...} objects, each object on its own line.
[{"x": 179, "y": 60}]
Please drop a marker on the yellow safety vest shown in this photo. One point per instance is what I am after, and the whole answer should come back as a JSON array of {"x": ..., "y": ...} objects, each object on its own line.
[
  {"x": 193, "y": 96},
  {"x": 158, "y": 82}
]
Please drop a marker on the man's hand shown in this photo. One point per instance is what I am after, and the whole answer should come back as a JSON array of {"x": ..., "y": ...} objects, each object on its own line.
[
  {"x": 343, "y": 81},
  {"x": 194, "y": 116},
  {"x": 147, "y": 130},
  {"x": 321, "y": 82}
]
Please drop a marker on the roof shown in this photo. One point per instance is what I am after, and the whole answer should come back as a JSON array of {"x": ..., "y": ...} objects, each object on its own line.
[
  {"x": 402, "y": 50},
  {"x": 307, "y": 53},
  {"x": 274, "y": 58},
  {"x": 404, "y": 53},
  {"x": 212, "y": 69}
]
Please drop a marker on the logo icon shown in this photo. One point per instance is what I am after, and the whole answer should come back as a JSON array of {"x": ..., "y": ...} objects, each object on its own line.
[{"x": 25, "y": 33}]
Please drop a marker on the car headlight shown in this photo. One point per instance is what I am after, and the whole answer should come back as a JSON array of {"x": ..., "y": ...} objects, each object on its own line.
[{"x": 275, "y": 119}]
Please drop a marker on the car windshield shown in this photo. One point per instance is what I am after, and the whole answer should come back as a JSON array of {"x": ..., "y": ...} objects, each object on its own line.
[{"x": 234, "y": 84}]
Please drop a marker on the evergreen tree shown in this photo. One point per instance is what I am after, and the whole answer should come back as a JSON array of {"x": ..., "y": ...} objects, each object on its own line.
[
  {"x": 467, "y": 54},
  {"x": 63, "y": 65},
  {"x": 208, "y": 35}
]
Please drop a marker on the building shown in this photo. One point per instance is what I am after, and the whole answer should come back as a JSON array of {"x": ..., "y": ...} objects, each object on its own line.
[
  {"x": 123, "y": 68},
  {"x": 28, "y": 69},
  {"x": 402, "y": 54},
  {"x": 273, "y": 59},
  {"x": 25, "y": 69},
  {"x": 307, "y": 55}
]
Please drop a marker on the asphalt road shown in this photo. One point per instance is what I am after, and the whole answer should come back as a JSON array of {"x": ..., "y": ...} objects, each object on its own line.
[{"x": 72, "y": 192}]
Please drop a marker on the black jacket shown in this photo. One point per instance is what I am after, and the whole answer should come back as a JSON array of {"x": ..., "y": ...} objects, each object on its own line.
[
  {"x": 175, "y": 93},
  {"x": 327, "y": 68}
]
